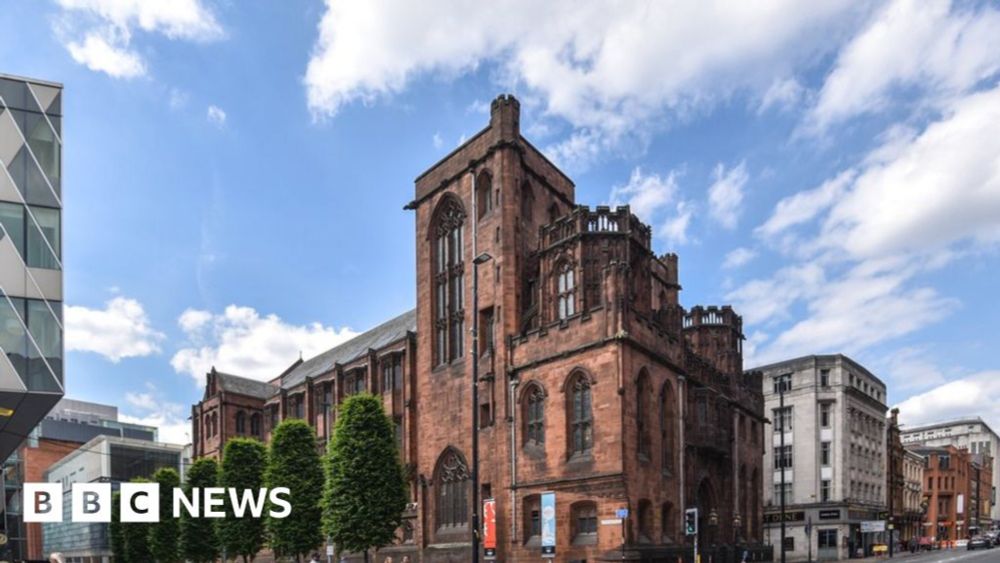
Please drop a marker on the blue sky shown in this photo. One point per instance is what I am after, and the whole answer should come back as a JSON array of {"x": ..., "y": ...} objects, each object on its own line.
[{"x": 235, "y": 172}]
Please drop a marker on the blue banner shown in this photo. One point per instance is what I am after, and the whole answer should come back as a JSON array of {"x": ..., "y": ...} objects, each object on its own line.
[{"x": 548, "y": 525}]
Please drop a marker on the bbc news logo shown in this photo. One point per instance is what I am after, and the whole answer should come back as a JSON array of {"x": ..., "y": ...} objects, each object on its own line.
[{"x": 140, "y": 502}]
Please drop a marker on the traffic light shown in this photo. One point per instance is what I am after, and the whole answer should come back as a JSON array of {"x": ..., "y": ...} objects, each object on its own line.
[{"x": 691, "y": 522}]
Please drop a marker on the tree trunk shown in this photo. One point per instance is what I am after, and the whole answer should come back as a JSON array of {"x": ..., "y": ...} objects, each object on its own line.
[{"x": 366, "y": 556}]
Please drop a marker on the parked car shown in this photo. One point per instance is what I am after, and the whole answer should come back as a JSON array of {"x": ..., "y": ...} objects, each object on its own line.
[
  {"x": 926, "y": 543},
  {"x": 979, "y": 542}
]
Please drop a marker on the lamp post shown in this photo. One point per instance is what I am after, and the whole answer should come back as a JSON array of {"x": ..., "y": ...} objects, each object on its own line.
[
  {"x": 784, "y": 422},
  {"x": 476, "y": 262}
]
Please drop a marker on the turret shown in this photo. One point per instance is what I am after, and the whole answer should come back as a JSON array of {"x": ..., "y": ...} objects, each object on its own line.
[
  {"x": 716, "y": 334},
  {"x": 505, "y": 115}
]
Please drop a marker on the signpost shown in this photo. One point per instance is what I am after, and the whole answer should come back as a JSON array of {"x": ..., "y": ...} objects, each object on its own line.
[
  {"x": 490, "y": 529},
  {"x": 548, "y": 525},
  {"x": 622, "y": 514}
]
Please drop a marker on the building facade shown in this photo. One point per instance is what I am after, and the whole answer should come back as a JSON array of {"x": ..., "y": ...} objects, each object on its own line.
[
  {"x": 69, "y": 425},
  {"x": 833, "y": 459},
  {"x": 31, "y": 347},
  {"x": 970, "y": 433},
  {"x": 911, "y": 521},
  {"x": 595, "y": 384},
  {"x": 104, "y": 459},
  {"x": 955, "y": 492}
]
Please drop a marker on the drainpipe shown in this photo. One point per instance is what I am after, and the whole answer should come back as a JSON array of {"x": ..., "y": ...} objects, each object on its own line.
[{"x": 513, "y": 461}]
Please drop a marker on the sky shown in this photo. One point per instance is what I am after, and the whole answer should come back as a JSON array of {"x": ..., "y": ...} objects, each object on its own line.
[{"x": 235, "y": 172}]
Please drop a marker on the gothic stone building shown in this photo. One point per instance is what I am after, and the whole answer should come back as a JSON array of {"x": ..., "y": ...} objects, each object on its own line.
[{"x": 594, "y": 382}]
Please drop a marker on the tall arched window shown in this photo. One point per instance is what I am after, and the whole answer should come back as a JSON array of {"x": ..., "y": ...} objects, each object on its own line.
[
  {"x": 645, "y": 521},
  {"x": 527, "y": 201},
  {"x": 449, "y": 286},
  {"x": 452, "y": 485},
  {"x": 241, "y": 422},
  {"x": 255, "y": 424},
  {"x": 208, "y": 426},
  {"x": 534, "y": 416},
  {"x": 743, "y": 502},
  {"x": 642, "y": 409},
  {"x": 565, "y": 291},
  {"x": 754, "y": 505},
  {"x": 580, "y": 415},
  {"x": 484, "y": 194},
  {"x": 667, "y": 523},
  {"x": 667, "y": 428},
  {"x": 215, "y": 423}
]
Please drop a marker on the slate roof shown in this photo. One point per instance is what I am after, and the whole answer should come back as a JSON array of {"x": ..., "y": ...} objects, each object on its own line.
[
  {"x": 245, "y": 386},
  {"x": 375, "y": 338}
]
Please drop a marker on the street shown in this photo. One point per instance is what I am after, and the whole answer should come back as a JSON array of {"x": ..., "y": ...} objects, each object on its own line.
[{"x": 976, "y": 556}]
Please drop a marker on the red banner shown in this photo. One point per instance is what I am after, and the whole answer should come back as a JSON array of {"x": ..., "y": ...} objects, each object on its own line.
[{"x": 490, "y": 527}]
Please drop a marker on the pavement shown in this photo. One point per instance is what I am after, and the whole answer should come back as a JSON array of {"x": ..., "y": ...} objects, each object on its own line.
[{"x": 941, "y": 556}]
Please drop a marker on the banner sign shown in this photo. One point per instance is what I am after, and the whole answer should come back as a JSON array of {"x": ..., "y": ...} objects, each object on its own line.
[
  {"x": 548, "y": 525},
  {"x": 829, "y": 514},
  {"x": 775, "y": 518},
  {"x": 490, "y": 528},
  {"x": 869, "y": 526}
]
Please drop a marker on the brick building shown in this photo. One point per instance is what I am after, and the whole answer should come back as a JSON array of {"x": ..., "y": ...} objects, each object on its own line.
[
  {"x": 955, "y": 492},
  {"x": 594, "y": 382}
]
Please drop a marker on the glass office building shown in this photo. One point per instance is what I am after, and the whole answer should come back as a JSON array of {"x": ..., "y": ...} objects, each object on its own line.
[{"x": 31, "y": 291}]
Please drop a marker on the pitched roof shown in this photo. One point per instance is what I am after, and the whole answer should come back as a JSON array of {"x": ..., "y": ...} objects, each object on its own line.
[
  {"x": 244, "y": 386},
  {"x": 375, "y": 338}
]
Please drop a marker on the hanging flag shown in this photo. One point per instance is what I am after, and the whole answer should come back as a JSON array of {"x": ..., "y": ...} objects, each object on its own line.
[
  {"x": 548, "y": 525},
  {"x": 490, "y": 528}
]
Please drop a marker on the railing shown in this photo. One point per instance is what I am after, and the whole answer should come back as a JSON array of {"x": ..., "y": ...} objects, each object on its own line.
[{"x": 601, "y": 220}]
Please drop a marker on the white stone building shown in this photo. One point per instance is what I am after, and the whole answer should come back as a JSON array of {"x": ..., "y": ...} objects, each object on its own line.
[{"x": 833, "y": 459}]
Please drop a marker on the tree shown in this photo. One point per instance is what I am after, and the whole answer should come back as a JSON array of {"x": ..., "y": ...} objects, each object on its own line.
[
  {"x": 365, "y": 493},
  {"x": 243, "y": 463},
  {"x": 198, "y": 541},
  {"x": 164, "y": 535},
  {"x": 135, "y": 538},
  {"x": 117, "y": 535},
  {"x": 294, "y": 462}
]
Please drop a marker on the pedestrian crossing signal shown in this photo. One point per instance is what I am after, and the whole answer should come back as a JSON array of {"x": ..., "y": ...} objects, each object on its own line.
[{"x": 691, "y": 522}]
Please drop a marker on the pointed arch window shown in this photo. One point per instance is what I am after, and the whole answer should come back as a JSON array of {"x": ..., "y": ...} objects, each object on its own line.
[
  {"x": 484, "y": 194},
  {"x": 452, "y": 486},
  {"x": 255, "y": 425},
  {"x": 534, "y": 416},
  {"x": 580, "y": 416},
  {"x": 642, "y": 414},
  {"x": 565, "y": 291},
  {"x": 241, "y": 422},
  {"x": 449, "y": 306},
  {"x": 667, "y": 428}
]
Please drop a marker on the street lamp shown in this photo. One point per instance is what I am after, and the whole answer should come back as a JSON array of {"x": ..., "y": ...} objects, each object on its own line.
[{"x": 476, "y": 262}]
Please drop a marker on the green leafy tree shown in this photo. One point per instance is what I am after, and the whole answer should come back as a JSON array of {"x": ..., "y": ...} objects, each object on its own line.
[
  {"x": 294, "y": 462},
  {"x": 115, "y": 530},
  {"x": 135, "y": 538},
  {"x": 199, "y": 542},
  {"x": 243, "y": 463},
  {"x": 164, "y": 535},
  {"x": 365, "y": 492}
]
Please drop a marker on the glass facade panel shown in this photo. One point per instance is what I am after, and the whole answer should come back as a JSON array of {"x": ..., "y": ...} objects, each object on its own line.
[
  {"x": 45, "y": 147},
  {"x": 44, "y": 240},
  {"x": 44, "y": 328},
  {"x": 13, "y": 337},
  {"x": 12, "y": 219}
]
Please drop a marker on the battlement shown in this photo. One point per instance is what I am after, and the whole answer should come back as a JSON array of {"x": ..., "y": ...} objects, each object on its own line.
[
  {"x": 713, "y": 316},
  {"x": 601, "y": 220}
]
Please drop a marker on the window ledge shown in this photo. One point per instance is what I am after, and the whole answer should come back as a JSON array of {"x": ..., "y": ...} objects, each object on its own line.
[{"x": 585, "y": 539}]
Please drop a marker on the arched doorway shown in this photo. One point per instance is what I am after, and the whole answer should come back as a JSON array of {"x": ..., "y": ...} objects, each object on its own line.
[{"x": 706, "y": 504}]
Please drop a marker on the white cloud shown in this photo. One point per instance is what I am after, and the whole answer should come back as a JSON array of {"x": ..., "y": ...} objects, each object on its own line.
[
  {"x": 763, "y": 301},
  {"x": 600, "y": 65},
  {"x": 241, "y": 341},
  {"x": 935, "y": 46},
  {"x": 725, "y": 195},
  {"x": 738, "y": 257},
  {"x": 978, "y": 393},
  {"x": 929, "y": 191},
  {"x": 144, "y": 401},
  {"x": 150, "y": 408},
  {"x": 806, "y": 205},
  {"x": 216, "y": 116},
  {"x": 437, "y": 140},
  {"x": 783, "y": 94},
  {"x": 120, "y": 330},
  {"x": 654, "y": 199},
  {"x": 99, "y": 33},
  {"x": 99, "y": 51}
]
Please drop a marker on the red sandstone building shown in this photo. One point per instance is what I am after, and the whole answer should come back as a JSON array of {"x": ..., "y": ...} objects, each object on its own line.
[
  {"x": 595, "y": 383},
  {"x": 957, "y": 492}
]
